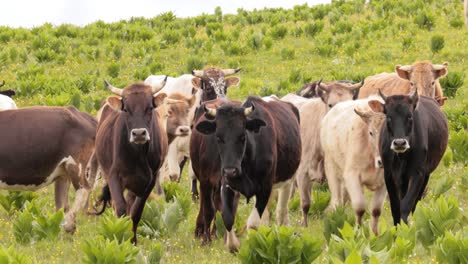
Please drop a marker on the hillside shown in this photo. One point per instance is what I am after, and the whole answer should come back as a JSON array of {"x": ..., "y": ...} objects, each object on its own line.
[{"x": 278, "y": 50}]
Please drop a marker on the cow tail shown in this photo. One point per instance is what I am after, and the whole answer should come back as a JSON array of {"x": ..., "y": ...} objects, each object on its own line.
[{"x": 104, "y": 198}]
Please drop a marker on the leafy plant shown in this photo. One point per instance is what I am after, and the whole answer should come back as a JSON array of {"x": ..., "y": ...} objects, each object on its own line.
[
  {"x": 194, "y": 63},
  {"x": 313, "y": 28},
  {"x": 14, "y": 200},
  {"x": 431, "y": 221},
  {"x": 256, "y": 40},
  {"x": 9, "y": 256},
  {"x": 279, "y": 245},
  {"x": 155, "y": 253},
  {"x": 425, "y": 19},
  {"x": 335, "y": 220},
  {"x": 437, "y": 43},
  {"x": 452, "y": 248},
  {"x": 23, "y": 227},
  {"x": 451, "y": 83},
  {"x": 320, "y": 200},
  {"x": 113, "y": 70},
  {"x": 288, "y": 53},
  {"x": 458, "y": 142},
  {"x": 404, "y": 243},
  {"x": 150, "y": 224},
  {"x": 104, "y": 251},
  {"x": 171, "y": 190},
  {"x": 48, "y": 226},
  {"x": 114, "y": 228},
  {"x": 278, "y": 31}
]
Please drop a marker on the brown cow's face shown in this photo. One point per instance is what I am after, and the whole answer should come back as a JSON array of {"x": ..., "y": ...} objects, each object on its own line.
[
  {"x": 336, "y": 92},
  {"x": 213, "y": 82},
  {"x": 422, "y": 76},
  {"x": 230, "y": 128},
  {"x": 178, "y": 123},
  {"x": 399, "y": 110},
  {"x": 374, "y": 122}
]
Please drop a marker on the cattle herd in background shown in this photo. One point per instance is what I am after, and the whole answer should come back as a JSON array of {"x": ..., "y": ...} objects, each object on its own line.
[{"x": 386, "y": 133}]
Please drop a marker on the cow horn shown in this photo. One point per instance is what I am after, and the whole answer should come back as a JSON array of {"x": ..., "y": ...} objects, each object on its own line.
[
  {"x": 157, "y": 88},
  {"x": 197, "y": 73},
  {"x": 210, "y": 111},
  {"x": 248, "y": 110},
  {"x": 440, "y": 66},
  {"x": 382, "y": 95},
  {"x": 357, "y": 85},
  {"x": 3, "y": 83},
  {"x": 115, "y": 90},
  {"x": 230, "y": 71},
  {"x": 322, "y": 86}
]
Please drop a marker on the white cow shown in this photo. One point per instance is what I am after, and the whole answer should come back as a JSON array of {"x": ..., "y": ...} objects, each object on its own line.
[
  {"x": 7, "y": 103},
  {"x": 349, "y": 137}
]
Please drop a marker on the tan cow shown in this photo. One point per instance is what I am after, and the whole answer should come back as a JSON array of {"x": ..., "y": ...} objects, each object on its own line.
[
  {"x": 422, "y": 76},
  {"x": 349, "y": 136},
  {"x": 311, "y": 114}
]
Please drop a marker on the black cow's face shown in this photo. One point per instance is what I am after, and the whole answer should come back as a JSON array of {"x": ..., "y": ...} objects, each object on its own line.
[
  {"x": 213, "y": 82},
  {"x": 136, "y": 107},
  {"x": 399, "y": 111},
  {"x": 230, "y": 127}
]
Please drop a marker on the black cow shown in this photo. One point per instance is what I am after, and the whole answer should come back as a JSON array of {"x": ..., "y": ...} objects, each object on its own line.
[
  {"x": 412, "y": 142},
  {"x": 9, "y": 93},
  {"x": 248, "y": 149}
]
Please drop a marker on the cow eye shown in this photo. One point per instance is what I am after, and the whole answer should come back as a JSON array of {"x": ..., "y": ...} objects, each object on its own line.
[
  {"x": 410, "y": 118},
  {"x": 433, "y": 82},
  {"x": 330, "y": 105},
  {"x": 371, "y": 133},
  {"x": 219, "y": 139},
  {"x": 242, "y": 138},
  {"x": 412, "y": 83}
]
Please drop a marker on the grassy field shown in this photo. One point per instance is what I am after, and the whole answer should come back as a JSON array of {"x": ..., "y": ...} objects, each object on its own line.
[{"x": 278, "y": 50}]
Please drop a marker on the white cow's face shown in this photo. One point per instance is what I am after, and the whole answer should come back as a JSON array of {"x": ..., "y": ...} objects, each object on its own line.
[{"x": 374, "y": 122}]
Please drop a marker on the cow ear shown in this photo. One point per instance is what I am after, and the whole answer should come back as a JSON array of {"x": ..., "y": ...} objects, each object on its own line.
[
  {"x": 254, "y": 124},
  {"x": 232, "y": 81},
  {"x": 206, "y": 127},
  {"x": 115, "y": 102},
  {"x": 159, "y": 99},
  {"x": 440, "y": 70},
  {"x": 376, "y": 106},
  {"x": 196, "y": 82},
  {"x": 441, "y": 100},
  {"x": 403, "y": 71}
]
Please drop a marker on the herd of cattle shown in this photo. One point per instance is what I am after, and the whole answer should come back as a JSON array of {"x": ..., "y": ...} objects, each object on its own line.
[{"x": 386, "y": 133}]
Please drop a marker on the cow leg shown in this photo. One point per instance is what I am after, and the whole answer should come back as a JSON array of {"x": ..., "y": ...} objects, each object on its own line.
[
  {"x": 415, "y": 187},
  {"x": 229, "y": 206},
  {"x": 356, "y": 193},
  {"x": 208, "y": 212},
  {"x": 282, "y": 210},
  {"x": 334, "y": 184},
  {"x": 376, "y": 207},
  {"x": 393, "y": 195},
  {"x": 181, "y": 166},
  {"x": 117, "y": 194},
  {"x": 193, "y": 179},
  {"x": 130, "y": 199},
  {"x": 423, "y": 189},
  {"x": 172, "y": 162},
  {"x": 62, "y": 187},
  {"x": 304, "y": 185}
]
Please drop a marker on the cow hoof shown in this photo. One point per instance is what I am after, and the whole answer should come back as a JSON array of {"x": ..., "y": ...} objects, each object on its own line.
[
  {"x": 232, "y": 243},
  {"x": 69, "y": 224}
]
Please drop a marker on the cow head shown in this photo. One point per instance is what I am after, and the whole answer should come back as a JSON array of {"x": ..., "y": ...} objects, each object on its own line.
[
  {"x": 399, "y": 111},
  {"x": 178, "y": 122},
  {"x": 230, "y": 126},
  {"x": 136, "y": 104},
  {"x": 336, "y": 92},
  {"x": 213, "y": 83},
  {"x": 422, "y": 76},
  {"x": 374, "y": 122}
]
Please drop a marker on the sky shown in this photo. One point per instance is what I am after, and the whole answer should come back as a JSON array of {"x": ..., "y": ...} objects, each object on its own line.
[{"x": 32, "y": 13}]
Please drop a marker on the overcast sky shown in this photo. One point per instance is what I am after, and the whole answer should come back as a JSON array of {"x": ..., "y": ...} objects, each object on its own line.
[{"x": 31, "y": 13}]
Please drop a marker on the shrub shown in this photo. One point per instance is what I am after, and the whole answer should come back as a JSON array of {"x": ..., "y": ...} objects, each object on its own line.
[
  {"x": 442, "y": 186},
  {"x": 320, "y": 201},
  {"x": 194, "y": 63},
  {"x": 9, "y": 256},
  {"x": 150, "y": 224},
  {"x": 425, "y": 20},
  {"x": 117, "y": 51},
  {"x": 458, "y": 118},
  {"x": 342, "y": 27},
  {"x": 212, "y": 27},
  {"x": 155, "y": 253},
  {"x": 279, "y": 245},
  {"x": 75, "y": 100},
  {"x": 48, "y": 226},
  {"x": 14, "y": 200},
  {"x": 335, "y": 220},
  {"x": 452, "y": 248},
  {"x": 278, "y": 31},
  {"x": 171, "y": 37},
  {"x": 437, "y": 43},
  {"x": 23, "y": 227},
  {"x": 313, "y": 28},
  {"x": 171, "y": 190},
  {"x": 458, "y": 142},
  {"x": 256, "y": 40},
  {"x": 451, "y": 83},
  {"x": 407, "y": 43},
  {"x": 113, "y": 70},
  {"x": 114, "y": 228},
  {"x": 45, "y": 55},
  {"x": 105, "y": 251},
  {"x": 268, "y": 42},
  {"x": 325, "y": 50},
  {"x": 432, "y": 221},
  {"x": 404, "y": 243},
  {"x": 456, "y": 22},
  {"x": 288, "y": 53}
]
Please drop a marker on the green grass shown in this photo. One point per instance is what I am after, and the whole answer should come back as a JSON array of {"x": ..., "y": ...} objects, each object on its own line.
[{"x": 62, "y": 65}]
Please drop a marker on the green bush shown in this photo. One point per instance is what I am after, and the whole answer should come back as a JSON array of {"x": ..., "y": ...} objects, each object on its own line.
[
  {"x": 278, "y": 31},
  {"x": 45, "y": 55},
  {"x": 279, "y": 245},
  {"x": 171, "y": 189},
  {"x": 335, "y": 220},
  {"x": 452, "y": 249},
  {"x": 407, "y": 43},
  {"x": 47, "y": 226},
  {"x": 99, "y": 250},
  {"x": 256, "y": 40},
  {"x": 194, "y": 63},
  {"x": 268, "y": 42},
  {"x": 14, "y": 200},
  {"x": 313, "y": 28},
  {"x": 342, "y": 27},
  {"x": 451, "y": 83},
  {"x": 171, "y": 37},
  {"x": 458, "y": 142},
  {"x": 155, "y": 253},
  {"x": 437, "y": 43},
  {"x": 320, "y": 201},
  {"x": 9, "y": 256},
  {"x": 456, "y": 22},
  {"x": 288, "y": 53},
  {"x": 113, "y": 69},
  {"x": 114, "y": 228},
  {"x": 425, "y": 19},
  {"x": 433, "y": 220},
  {"x": 23, "y": 227},
  {"x": 117, "y": 51}
]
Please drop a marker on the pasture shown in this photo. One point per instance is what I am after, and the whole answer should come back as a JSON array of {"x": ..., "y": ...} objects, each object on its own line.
[{"x": 279, "y": 51}]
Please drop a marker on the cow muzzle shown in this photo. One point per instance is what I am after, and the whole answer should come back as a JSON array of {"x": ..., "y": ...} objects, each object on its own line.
[
  {"x": 182, "y": 131},
  {"x": 230, "y": 172},
  {"x": 139, "y": 136},
  {"x": 400, "y": 145}
]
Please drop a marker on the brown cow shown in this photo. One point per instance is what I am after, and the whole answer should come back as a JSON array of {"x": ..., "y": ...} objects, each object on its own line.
[
  {"x": 131, "y": 145},
  {"x": 422, "y": 76},
  {"x": 44, "y": 145}
]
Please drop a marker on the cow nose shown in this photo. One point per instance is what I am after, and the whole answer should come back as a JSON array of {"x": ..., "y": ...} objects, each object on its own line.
[
  {"x": 183, "y": 130},
  {"x": 139, "y": 136},
  {"x": 399, "y": 142},
  {"x": 229, "y": 172},
  {"x": 400, "y": 145}
]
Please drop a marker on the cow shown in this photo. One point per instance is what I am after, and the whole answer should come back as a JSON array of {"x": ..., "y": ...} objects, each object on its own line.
[
  {"x": 422, "y": 76},
  {"x": 349, "y": 136},
  {"x": 310, "y": 90},
  {"x": 311, "y": 114},
  {"x": 413, "y": 140},
  {"x": 249, "y": 149},
  {"x": 131, "y": 145},
  {"x": 209, "y": 84},
  {"x": 44, "y": 145},
  {"x": 6, "y": 102}
]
